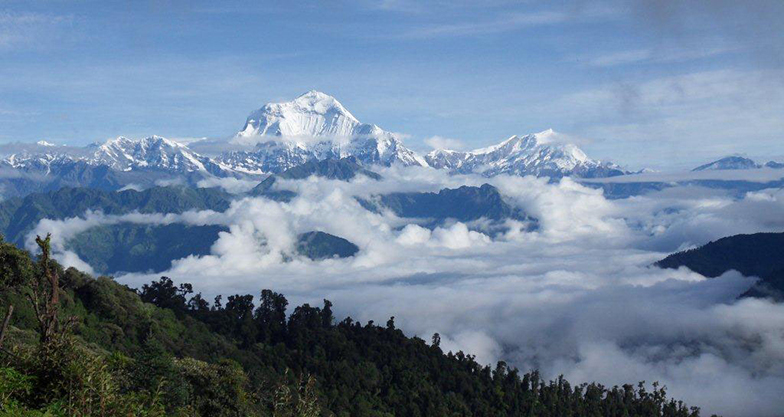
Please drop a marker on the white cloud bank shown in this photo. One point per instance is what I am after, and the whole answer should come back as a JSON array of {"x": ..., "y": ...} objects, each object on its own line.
[{"x": 576, "y": 297}]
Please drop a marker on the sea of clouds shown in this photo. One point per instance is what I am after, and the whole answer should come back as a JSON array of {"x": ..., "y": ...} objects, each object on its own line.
[{"x": 576, "y": 297}]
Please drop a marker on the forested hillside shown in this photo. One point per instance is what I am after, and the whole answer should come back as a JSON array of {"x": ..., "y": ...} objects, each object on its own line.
[{"x": 79, "y": 345}]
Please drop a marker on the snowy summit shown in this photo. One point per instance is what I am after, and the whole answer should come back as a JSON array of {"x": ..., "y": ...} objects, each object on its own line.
[
  {"x": 540, "y": 154},
  {"x": 311, "y": 114},
  {"x": 313, "y": 126}
]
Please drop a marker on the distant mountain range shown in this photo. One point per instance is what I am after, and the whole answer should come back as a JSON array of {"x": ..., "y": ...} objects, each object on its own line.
[
  {"x": 705, "y": 176},
  {"x": 276, "y": 137},
  {"x": 536, "y": 154},
  {"x": 120, "y": 154},
  {"x": 311, "y": 129}
]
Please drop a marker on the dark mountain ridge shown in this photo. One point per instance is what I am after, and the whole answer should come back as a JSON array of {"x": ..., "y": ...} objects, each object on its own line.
[
  {"x": 464, "y": 204},
  {"x": 19, "y": 215},
  {"x": 127, "y": 247},
  {"x": 760, "y": 255}
]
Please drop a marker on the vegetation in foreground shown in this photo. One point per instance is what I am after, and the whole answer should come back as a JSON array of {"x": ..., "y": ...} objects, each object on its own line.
[{"x": 74, "y": 345}]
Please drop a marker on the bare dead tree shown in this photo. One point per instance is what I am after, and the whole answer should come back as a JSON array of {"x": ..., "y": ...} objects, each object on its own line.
[
  {"x": 5, "y": 324},
  {"x": 45, "y": 293}
]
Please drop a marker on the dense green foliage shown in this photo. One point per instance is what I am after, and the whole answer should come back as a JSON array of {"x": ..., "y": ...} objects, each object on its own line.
[
  {"x": 166, "y": 351},
  {"x": 759, "y": 254},
  {"x": 130, "y": 247}
]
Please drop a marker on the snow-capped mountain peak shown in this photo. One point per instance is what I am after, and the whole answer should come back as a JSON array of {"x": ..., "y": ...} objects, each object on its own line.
[
  {"x": 311, "y": 114},
  {"x": 313, "y": 126},
  {"x": 125, "y": 154}
]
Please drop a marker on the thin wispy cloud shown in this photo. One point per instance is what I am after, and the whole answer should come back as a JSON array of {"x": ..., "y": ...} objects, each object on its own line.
[
  {"x": 657, "y": 56},
  {"x": 507, "y": 23},
  {"x": 434, "y": 7},
  {"x": 30, "y": 30},
  {"x": 399, "y": 6},
  {"x": 15, "y": 112}
]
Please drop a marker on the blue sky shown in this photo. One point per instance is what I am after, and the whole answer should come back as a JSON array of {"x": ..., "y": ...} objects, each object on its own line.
[{"x": 644, "y": 83}]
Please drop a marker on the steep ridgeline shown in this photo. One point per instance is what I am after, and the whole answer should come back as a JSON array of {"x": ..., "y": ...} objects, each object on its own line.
[
  {"x": 59, "y": 171},
  {"x": 343, "y": 169},
  {"x": 538, "y": 154},
  {"x": 760, "y": 255},
  {"x": 482, "y": 208},
  {"x": 313, "y": 126},
  {"x": 126, "y": 247},
  {"x": 114, "y": 248}
]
